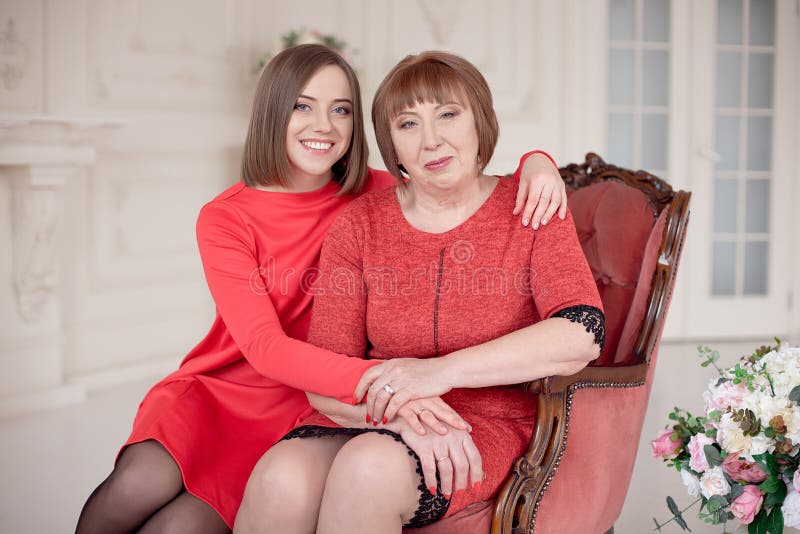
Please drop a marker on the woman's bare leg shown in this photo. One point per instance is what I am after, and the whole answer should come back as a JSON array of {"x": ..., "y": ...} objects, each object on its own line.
[
  {"x": 145, "y": 478},
  {"x": 372, "y": 486},
  {"x": 285, "y": 488}
]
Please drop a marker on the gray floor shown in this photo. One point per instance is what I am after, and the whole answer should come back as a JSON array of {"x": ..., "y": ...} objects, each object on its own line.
[{"x": 50, "y": 461}]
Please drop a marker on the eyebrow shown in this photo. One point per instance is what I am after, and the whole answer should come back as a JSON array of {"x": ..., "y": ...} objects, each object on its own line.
[
  {"x": 449, "y": 103},
  {"x": 335, "y": 99}
]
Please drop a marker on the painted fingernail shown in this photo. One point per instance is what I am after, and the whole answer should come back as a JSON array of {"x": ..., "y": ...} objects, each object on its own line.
[
  {"x": 384, "y": 420},
  {"x": 375, "y": 423},
  {"x": 432, "y": 489},
  {"x": 447, "y": 496},
  {"x": 369, "y": 418},
  {"x": 525, "y": 222},
  {"x": 476, "y": 486}
]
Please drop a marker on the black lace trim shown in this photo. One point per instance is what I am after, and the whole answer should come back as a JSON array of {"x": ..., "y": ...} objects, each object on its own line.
[
  {"x": 431, "y": 508},
  {"x": 590, "y": 317}
]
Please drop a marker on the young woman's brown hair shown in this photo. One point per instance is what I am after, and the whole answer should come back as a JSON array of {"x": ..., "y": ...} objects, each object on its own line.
[
  {"x": 264, "y": 160},
  {"x": 433, "y": 76}
]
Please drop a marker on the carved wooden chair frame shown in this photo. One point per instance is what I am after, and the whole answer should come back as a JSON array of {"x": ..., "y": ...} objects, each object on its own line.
[{"x": 518, "y": 501}]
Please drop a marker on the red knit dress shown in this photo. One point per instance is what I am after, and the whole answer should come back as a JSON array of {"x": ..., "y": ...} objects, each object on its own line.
[
  {"x": 234, "y": 395},
  {"x": 389, "y": 290}
]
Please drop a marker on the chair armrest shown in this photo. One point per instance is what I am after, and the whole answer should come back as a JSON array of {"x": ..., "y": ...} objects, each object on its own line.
[{"x": 518, "y": 500}]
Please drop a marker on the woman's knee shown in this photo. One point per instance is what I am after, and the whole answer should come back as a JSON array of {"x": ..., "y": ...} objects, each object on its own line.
[
  {"x": 374, "y": 463},
  {"x": 144, "y": 472}
]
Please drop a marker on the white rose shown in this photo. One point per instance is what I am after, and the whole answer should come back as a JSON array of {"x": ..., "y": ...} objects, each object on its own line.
[
  {"x": 730, "y": 436},
  {"x": 713, "y": 482},
  {"x": 691, "y": 482},
  {"x": 791, "y": 509}
]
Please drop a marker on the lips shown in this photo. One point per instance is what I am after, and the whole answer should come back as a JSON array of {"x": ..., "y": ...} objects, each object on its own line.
[{"x": 439, "y": 163}]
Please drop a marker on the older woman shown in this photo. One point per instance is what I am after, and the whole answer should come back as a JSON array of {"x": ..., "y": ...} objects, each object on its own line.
[{"x": 436, "y": 277}]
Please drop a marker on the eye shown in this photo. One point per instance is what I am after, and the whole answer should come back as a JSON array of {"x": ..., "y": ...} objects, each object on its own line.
[
  {"x": 300, "y": 106},
  {"x": 404, "y": 125},
  {"x": 341, "y": 110},
  {"x": 448, "y": 114}
]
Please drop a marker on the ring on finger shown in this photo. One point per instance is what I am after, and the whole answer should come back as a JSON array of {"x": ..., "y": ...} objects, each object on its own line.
[
  {"x": 443, "y": 458},
  {"x": 388, "y": 389},
  {"x": 421, "y": 411}
]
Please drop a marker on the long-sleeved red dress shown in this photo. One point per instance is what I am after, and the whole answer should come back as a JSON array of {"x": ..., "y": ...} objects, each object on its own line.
[
  {"x": 391, "y": 291},
  {"x": 241, "y": 388}
]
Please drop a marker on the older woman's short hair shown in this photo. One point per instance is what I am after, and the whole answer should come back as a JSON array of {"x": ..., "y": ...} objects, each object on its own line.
[
  {"x": 265, "y": 160},
  {"x": 438, "y": 77}
]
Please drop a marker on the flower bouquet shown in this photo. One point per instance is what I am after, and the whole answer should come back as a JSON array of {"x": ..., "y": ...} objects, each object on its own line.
[{"x": 741, "y": 458}]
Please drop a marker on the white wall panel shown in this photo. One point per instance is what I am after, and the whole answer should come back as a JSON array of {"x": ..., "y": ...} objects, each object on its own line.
[{"x": 21, "y": 56}]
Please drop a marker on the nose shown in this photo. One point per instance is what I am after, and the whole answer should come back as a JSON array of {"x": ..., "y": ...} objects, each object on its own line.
[
  {"x": 431, "y": 138},
  {"x": 322, "y": 123}
]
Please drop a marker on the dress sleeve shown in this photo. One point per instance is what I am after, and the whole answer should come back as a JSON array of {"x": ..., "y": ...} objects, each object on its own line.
[
  {"x": 340, "y": 301},
  {"x": 229, "y": 261},
  {"x": 380, "y": 179},
  {"x": 561, "y": 281}
]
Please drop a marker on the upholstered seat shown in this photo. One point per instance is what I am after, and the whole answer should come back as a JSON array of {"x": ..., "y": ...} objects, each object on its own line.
[{"x": 576, "y": 472}]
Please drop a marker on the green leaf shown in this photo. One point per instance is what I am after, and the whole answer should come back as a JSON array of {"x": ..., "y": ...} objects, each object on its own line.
[
  {"x": 768, "y": 463},
  {"x": 770, "y": 485},
  {"x": 736, "y": 490},
  {"x": 776, "y": 498},
  {"x": 682, "y": 523},
  {"x": 712, "y": 455},
  {"x": 672, "y": 506},
  {"x": 794, "y": 395},
  {"x": 775, "y": 521},
  {"x": 759, "y": 524}
]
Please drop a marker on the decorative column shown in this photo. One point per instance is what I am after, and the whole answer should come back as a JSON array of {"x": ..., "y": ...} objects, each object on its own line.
[{"x": 39, "y": 155}]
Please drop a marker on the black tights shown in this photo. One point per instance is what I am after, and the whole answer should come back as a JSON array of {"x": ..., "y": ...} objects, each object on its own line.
[{"x": 144, "y": 493}]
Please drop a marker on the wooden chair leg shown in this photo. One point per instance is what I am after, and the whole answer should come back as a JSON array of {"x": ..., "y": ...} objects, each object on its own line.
[{"x": 610, "y": 531}]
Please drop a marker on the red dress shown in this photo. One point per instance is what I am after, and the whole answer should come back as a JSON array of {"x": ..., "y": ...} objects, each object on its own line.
[
  {"x": 425, "y": 295},
  {"x": 241, "y": 388}
]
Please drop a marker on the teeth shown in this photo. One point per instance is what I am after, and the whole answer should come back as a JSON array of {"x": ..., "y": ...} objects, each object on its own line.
[{"x": 316, "y": 145}]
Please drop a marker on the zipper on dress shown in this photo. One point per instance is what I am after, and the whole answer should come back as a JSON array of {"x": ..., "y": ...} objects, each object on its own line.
[{"x": 439, "y": 273}]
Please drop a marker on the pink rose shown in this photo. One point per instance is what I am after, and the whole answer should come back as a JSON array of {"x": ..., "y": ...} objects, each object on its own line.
[
  {"x": 742, "y": 470},
  {"x": 663, "y": 446},
  {"x": 746, "y": 506},
  {"x": 723, "y": 396},
  {"x": 697, "y": 458}
]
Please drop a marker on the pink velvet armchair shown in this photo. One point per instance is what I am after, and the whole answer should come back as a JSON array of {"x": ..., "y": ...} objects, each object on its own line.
[{"x": 632, "y": 226}]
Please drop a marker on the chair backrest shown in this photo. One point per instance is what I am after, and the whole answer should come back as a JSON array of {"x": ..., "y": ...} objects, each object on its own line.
[{"x": 619, "y": 216}]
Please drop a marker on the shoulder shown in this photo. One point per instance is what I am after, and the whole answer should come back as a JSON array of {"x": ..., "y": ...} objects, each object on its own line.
[
  {"x": 378, "y": 179},
  {"x": 221, "y": 212}
]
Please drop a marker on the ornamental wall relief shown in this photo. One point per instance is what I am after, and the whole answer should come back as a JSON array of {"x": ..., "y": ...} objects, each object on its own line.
[{"x": 13, "y": 56}]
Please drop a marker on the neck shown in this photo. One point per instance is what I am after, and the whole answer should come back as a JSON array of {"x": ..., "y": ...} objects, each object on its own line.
[{"x": 438, "y": 210}]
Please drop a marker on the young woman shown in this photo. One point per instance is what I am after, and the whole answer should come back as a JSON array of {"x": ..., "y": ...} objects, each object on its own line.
[{"x": 200, "y": 431}]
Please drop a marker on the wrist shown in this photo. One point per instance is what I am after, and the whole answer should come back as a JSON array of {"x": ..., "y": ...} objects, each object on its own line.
[{"x": 530, "y": 157}]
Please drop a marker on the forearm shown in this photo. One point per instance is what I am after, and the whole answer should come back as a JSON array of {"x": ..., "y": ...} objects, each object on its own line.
[
  {"x": 346, "y": 415},
  {"x": 555, "y": 346}
]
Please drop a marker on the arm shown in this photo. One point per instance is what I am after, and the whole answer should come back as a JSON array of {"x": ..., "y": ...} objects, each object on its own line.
[
  {"x": 570, "y": 335},
  {"x": 235, "y": 280},
  {"x": 541, "y": 189}
]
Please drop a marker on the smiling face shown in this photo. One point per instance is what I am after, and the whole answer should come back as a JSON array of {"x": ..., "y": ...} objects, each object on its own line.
[
  {"x": 437, "y": 143},
  {"x": 320, "y": 127}
]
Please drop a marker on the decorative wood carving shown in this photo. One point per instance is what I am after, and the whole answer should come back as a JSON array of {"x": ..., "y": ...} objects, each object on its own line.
[
  {"x": 13, "y": 56},
  {"x": 518, "y": 501}
]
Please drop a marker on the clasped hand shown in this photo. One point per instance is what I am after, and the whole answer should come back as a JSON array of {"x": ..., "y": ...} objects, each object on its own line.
[{"x": 392, "y": 384}]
